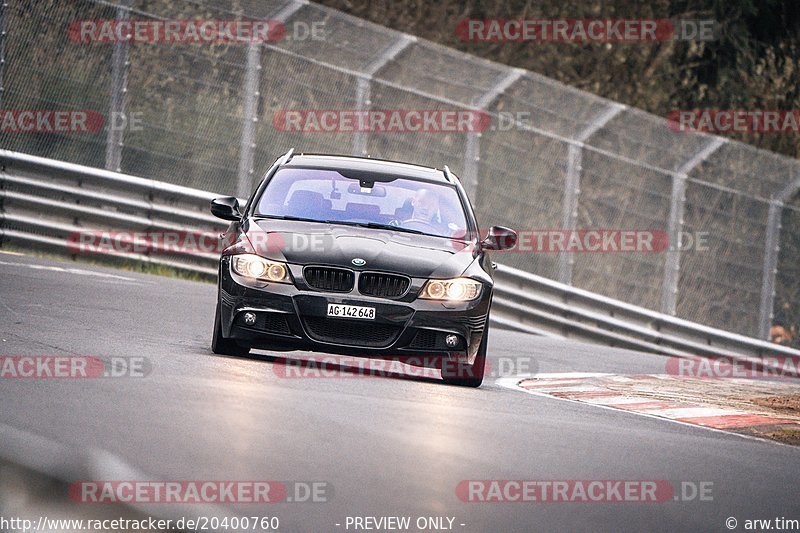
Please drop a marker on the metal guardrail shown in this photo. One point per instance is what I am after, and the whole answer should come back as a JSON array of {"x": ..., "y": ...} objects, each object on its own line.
[
  {"x": 44, "y": 201},
  {"x": 534, "y": 304}
]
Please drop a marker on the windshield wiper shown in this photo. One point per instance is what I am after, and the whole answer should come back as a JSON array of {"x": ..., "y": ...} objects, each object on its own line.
[
  {"x": 378, "y": 225},
  {"x": 303, "y": 219},
  {"x": 371, "y": 225},
  {"x": 289, "y": 217}
]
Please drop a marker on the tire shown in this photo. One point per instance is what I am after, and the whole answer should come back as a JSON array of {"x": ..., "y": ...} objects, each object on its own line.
[
  {"x": 222, "y": 345},
  {"x": 470, "y": 375}
]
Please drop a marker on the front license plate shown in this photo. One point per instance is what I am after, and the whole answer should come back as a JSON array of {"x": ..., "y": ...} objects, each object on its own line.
[{"x": 351, "y": 311}]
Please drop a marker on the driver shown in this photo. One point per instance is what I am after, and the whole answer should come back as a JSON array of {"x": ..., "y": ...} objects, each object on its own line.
[{"x": 425, "y": 206}]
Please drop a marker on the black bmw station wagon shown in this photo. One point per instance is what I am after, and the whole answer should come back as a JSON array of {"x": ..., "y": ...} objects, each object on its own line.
[{"x": 358, "y": 256}]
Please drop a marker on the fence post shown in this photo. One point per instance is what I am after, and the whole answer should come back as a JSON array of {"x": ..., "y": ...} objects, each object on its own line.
[
  {"x": 672, "y": 262},
  {"x": 363, "y": 93},
  {"x": 247, "y": 144},
  {"x": 252, "y": 82},
  {"x": 472, "y": 158},
  {"x": 771, "y": 250},
  {"x": 3, "y": 6},
  {"x": 364, "y": 86},
  {"x": 115, "y": 136},
  {"x": 572, "y": 185},
  {"x": 770, "y": 269},
  {"x": 472, "y": 152}
]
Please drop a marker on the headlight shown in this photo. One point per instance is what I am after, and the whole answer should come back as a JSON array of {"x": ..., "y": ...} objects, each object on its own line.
[
  {"x": 253, "y": 266},
  {"x": 458, "y": 289}
]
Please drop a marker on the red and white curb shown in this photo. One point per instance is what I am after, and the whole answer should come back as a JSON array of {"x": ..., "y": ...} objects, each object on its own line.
[{"x": 593, "y": 389}]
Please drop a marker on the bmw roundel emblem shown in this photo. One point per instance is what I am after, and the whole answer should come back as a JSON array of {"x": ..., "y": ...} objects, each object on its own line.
[{"x": 359, "y": 262}]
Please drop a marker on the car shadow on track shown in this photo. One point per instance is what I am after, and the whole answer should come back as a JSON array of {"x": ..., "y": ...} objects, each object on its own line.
[{"x": 330, "y": 366}]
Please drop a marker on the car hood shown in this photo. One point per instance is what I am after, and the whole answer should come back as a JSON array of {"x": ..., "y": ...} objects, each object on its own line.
[{"x": 307, "y": 243}]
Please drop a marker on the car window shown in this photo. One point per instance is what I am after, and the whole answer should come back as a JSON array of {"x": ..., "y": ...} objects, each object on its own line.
[{"x": 327, "y": 195}]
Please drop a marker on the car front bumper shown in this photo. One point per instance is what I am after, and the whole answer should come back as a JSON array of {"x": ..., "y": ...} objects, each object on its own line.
[{"x": 292, "y": 318}]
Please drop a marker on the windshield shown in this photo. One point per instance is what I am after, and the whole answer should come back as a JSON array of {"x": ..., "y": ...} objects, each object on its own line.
[{"x": 330, "y": 196}]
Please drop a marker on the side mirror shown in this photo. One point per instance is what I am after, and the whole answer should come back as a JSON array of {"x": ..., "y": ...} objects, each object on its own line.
[
  {"x": 499, "y": 238},
  {"x": 226, "y": 208}
]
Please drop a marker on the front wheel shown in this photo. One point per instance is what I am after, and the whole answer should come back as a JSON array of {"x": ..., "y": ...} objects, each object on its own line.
[
  {"x": 464, "y": 374},
  {"x": 222, "y": 345}
]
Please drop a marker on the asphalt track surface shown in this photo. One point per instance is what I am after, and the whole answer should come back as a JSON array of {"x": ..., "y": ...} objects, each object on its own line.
[{"x": 388, "y": 446}]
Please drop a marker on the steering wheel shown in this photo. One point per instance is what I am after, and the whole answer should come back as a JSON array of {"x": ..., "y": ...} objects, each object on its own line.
[{"x": 419, "y": 222}]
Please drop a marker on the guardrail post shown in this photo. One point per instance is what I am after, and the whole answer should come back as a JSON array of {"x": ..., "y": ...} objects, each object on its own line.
[
  {"x": 364, "y": 86},
  {"x": 2, "y": 195},
  {"x": 572, "y": 185},
  {"x": 251, "y": 94},
  {"x": 472, "y": 155},
  {"x": 672, "y": 262},
  {"x": 772, "y": 249},
  {"x": 3, "y": 6},
  {"x": 119, "y": 88}
]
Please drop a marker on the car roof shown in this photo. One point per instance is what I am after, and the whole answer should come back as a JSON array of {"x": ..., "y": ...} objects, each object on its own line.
[{"x": 367, "y": 164}]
